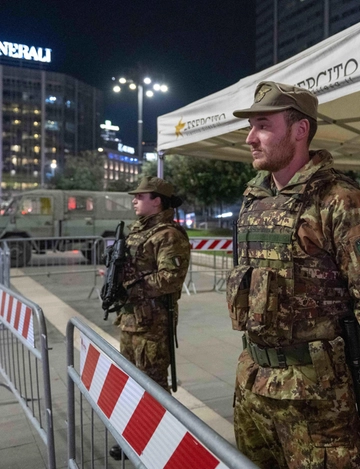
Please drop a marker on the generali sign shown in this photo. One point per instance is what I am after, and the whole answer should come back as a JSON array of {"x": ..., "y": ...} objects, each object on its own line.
[{"x": 21, "y": 51}]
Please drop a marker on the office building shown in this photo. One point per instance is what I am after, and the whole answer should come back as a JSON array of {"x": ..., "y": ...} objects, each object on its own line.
[
  {"x": 46, "y": 117},
  {"x": 120, "y": 161},
  {"x": 120, "y": 165},
  {"x": 286, "y": 27}
]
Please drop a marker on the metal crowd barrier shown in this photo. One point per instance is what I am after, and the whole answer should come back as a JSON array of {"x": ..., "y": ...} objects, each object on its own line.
[
  {"x": 49, "y": 256},
  {"x": 99, "y": 247},
  {"x": 210, "y": 256},
  {"x": 5, "y": 265},
  {"x": 152, "y": 428},
  {"x": 60, "y": 256},
  {"x": 64, "y": 257},
  {"x": 24, "y": 363}
]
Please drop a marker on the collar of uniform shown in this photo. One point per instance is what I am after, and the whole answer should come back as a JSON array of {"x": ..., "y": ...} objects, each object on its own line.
[
  {"x": 319, "y": 160},
  {"x": 260, "y": 185},
  {"x": 273, "y": 186},
  {"x": 165, "y": 216}
]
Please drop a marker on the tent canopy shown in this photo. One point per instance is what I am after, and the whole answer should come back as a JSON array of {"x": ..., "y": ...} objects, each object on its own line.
[{"x": 330, "y": 69}]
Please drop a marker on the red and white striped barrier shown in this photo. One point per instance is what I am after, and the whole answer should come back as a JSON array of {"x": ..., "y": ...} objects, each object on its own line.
[
  {"x": 159, "y": 439},
  {"x": 211, "y": 244},
  {"x": 18, "y": 316}
]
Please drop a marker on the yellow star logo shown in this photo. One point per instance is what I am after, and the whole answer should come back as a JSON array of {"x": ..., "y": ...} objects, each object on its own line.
[{"x": 179, "y": 127}]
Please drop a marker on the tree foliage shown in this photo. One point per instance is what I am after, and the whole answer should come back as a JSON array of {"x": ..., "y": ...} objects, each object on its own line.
[
  {"x": 83, "y": 172},
  {"x": 203, "y": 181},
  {"x": 120, "y": 185}
]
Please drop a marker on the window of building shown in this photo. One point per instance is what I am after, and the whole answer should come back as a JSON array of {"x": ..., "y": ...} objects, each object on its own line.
[
  {"x": 51, "y": 125},
  {"x": 70, "y": 127},
  {"x": 51, "y": 99}
]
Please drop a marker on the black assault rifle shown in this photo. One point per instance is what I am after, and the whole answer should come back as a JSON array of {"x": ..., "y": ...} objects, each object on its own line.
[
  {"x": 351, "y": 336},
  {"x": 114, "y": 261}
]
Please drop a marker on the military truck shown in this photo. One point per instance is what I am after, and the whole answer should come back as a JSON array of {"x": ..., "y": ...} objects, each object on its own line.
[{"x": 62, "y": 214}]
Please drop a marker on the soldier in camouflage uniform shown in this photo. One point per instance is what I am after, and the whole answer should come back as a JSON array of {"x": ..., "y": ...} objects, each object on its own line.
[
  {"x": 296, "y": 278},
  {"x": 158, "y": 254}
]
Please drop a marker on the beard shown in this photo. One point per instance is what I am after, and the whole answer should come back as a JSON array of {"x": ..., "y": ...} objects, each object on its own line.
[{"x": 278, "y": 157}]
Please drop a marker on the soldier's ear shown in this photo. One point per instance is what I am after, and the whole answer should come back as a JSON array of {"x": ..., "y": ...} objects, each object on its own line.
[
  {"x": 302, "y": 129},
  {"x": 157, "y": 202}
]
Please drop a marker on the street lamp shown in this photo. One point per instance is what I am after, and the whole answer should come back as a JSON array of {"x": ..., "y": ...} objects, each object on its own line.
[{"x": 139, "y": 84}]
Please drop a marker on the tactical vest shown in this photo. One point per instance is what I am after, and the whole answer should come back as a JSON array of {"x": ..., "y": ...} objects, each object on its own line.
[
  {"x": 285, "y": 295},
  {"x": 139, "y": 261}
]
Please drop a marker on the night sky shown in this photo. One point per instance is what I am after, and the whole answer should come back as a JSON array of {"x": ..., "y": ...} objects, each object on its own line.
[{"x": 197, "y": 47}]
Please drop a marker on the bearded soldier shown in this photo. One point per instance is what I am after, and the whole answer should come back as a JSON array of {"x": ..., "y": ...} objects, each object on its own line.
[
  {"x": 297, "y": 278},
  {"x": 158, "y": 254}
]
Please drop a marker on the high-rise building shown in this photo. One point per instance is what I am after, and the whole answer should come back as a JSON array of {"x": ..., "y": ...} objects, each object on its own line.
[
  {"x": 287, "y": 27},
  {"x": 45, "y": 117}
]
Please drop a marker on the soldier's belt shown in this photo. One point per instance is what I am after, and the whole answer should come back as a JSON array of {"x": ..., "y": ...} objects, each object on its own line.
[{"x": 278, "y": 357}]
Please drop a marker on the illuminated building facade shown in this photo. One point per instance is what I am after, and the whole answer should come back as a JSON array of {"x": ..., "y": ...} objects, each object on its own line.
[
  {"x": 46, "y": 117},
  {"x": 120, "y": 162},
  {"x": 120, "y": 165}
]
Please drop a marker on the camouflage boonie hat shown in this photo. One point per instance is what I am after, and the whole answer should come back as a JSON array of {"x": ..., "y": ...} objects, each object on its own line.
[
  {"x": 153, "y": 184},
  {"x": 275, "y": 97}
]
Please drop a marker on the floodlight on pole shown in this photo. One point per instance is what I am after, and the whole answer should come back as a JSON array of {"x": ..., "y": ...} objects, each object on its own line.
[{"x": 139, "y": 85}]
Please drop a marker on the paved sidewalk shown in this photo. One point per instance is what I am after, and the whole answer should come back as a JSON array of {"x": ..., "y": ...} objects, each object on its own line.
[{"x": 206, "y": 361}]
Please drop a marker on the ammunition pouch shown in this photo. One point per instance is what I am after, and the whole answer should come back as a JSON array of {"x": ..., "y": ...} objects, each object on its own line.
[{"x": 237, "y": 295}]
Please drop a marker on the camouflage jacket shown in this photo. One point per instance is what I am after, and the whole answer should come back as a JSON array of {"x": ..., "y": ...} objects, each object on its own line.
[
  {"x": 299, "y": 252},
  {"x": 158, "y": 255}
]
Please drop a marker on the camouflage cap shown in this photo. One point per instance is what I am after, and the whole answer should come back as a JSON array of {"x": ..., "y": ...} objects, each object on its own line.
[
  {"x": 153, "y": 184},
  {"x": 274, "y": 97}
]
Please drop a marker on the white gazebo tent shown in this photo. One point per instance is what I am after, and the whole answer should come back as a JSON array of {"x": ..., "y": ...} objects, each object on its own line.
[{"x": 331, "y": 69}]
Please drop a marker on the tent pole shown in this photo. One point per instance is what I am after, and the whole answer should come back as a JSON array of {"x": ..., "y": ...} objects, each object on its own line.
[{"x": 160, "y": 164}]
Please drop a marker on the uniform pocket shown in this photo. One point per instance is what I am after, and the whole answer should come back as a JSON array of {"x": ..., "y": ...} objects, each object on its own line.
[
  {"x": 263, "y": 296},
  {"x": 321, "y": 359},
  {"x": 237, "y": 295},
  {"x": 144, "y": 314}
]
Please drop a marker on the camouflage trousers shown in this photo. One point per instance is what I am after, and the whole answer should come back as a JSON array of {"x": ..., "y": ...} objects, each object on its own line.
[
  {"x": 149, "y": 352},
  {"x": 297, "y": 434}
]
